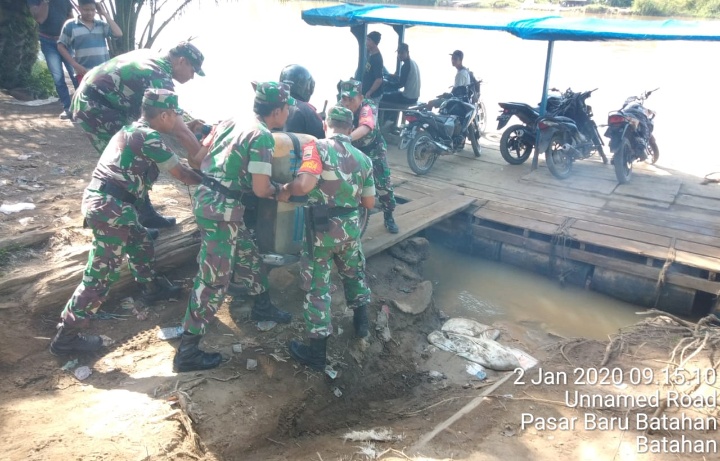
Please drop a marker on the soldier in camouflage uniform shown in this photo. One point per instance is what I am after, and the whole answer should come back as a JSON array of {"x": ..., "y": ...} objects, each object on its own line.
[
  {"x": 238, "y": 162},
  {"x": 337, "y": 178},
  {"x": 110, "y": 94},
  {"x": 367, "y": 137},
  {"x": 124, "y": 173}
]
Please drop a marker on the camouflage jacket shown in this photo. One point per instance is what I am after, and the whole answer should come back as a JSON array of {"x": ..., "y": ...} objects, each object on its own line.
[
  {"x": 234, "y": 156},
  {"x": 344, "y": 176},
  {"x": 372, "y": 144},
  {"x": 132, "y": 161},
  {"x": 121, "y": 82}
]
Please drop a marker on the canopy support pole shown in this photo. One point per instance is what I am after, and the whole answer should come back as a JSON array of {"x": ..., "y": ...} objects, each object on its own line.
[
  {"x": 543, "y": 100},
  {"x": 360, "y": 33},
  {"x": 400, "y": 31}
]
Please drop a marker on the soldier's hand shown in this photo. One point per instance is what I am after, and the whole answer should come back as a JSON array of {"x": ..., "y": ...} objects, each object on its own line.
[{"x": 284, "y": 195}]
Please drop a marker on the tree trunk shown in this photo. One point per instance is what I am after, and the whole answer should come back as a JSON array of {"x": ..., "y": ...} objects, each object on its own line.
[{"x": 18, "y": 43}]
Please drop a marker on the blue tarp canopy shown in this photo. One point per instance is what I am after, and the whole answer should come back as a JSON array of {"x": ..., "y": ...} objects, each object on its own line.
[{"x": 547, "y": 28}]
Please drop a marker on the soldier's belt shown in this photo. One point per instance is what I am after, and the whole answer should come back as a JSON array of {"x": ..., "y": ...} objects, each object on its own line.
[
  {"x": 112, "y": 190},
  {"x": 210, "y": 183}
]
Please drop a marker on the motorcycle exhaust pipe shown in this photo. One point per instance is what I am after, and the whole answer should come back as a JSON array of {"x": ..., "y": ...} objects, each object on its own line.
[{"x": 442, "y": 147}]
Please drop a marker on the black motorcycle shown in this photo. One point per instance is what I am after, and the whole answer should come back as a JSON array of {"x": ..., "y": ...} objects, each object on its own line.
[
  {"x": 631, "y": 135},
  {"x": 517, "y": 141},
  {"x": 428, "y": 135},
  {"x": 571, "y": 136}
]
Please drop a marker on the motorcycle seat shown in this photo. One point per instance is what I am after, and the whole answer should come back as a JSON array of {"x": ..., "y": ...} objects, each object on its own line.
[
  {"x": 562, "y": 119},
  {"x": 518, "y": 105}
]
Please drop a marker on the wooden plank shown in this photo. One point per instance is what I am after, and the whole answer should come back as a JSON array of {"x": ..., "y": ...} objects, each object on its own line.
[
  {"x": 653, "y": 188},
  {"x": 693, "y": 201},
  {"x": 516, "y": 221},
  {"x": 700, "y": 190},
  {"x": 538, "y": 215},
  {"x": 699, "y": 261},
  {"x": 652, "y": 273},
  {"x": 582, "y": 183},
  {"x": 377, "y": 238},
  {"x": 614, "y": 231},
  {"x": 28, "y": 239},
  {"x": 617, "y": 243},
  {"x": 689, "y": 217}
]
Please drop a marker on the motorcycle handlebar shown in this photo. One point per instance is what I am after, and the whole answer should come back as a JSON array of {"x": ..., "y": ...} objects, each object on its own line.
[{"x": 648, "y": 93}]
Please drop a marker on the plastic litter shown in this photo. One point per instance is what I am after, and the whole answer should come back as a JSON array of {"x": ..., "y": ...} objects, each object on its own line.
[
  {"x": 127, "y": 303},
  {"x": 170, "y": 332},
  {"x": 25, "y": 221},
  {"x": 330, "y": 372},
  {"x": 337, "y": 392},
  {"x": 266, "y": 325},
  {"x": 237, "y": 348},
  {"x": 24, "y": 156},
  {"x": 107, "y": 341},
  {"x": 15, "y": 207},
  {"x": 70, "y": 365},
  {"x": 476, "y": 370},
  {"x": 436, "y": 374},
  {"x": 83, "y": 372},
  {"x": 251, "y": 364}
]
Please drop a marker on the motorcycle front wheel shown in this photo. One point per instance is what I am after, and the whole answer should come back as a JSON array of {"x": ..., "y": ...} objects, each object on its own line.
[
  {"x": 653, "y": 151},
  {"x": 421, "y": 153},
  {"x": 481, "y": 118},
  {"x": 622, "y": 161},
  {"x": 513, "y": 148},
  {"x": 473, "y": 135},
  {"x": 558, "y": 160}
]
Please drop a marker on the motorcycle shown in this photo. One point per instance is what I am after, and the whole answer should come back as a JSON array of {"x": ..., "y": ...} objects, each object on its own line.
[
  {"x": 631, "y": 135},
  {"x": 427, "y": 135},
  {"x": 518, "y": 141},
  {"x": 570, "y": 137}
]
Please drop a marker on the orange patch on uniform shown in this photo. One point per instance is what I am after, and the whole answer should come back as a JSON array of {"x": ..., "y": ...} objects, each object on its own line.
[
  {"x": 310, "y": 151},
  {"x": 311, "y": 166}
]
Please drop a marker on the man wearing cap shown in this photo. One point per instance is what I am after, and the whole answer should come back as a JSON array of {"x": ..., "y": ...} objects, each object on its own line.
[
  {"x": 238, "y": 162},
  {"x": 337, "y": 177},
  {"x": 125, "y": 171},
  {"x": 408, "y": 80},
  {"x": 462, "y": 77},
  {"x": 110, "y": 96},
  {"x": 372, "y": 79},
  {"x": 367, "y": 137}
]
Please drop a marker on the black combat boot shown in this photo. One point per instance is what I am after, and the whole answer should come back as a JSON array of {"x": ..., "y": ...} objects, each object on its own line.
[
  {"x": 264, "y": 309},
  {"x": 237, "y": 290},
  {"x": 361, "y": 322},
  {"x": 160, "y": 289},
  {"x": 68, "y": 342},
  {"x": 313, "y": 355},
  {"x": 390, "y": 223},
  {"x": 153, "y": 233},
  {"x": 149, "y": 217},
  {"x": 189, "y": 357}
]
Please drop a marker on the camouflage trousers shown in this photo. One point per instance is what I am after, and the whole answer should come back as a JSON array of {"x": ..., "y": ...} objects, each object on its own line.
[
  {"x": 383, "y": 184},
  {"x": 99, "y": 122},
  {"x": 315, "y": 279},
  {"x": 109, "y": 246},
  {"x": 226, "y": 247}
]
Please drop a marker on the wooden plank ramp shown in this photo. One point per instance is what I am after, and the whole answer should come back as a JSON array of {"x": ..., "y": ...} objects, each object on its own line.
[{"x": 412, "y": 217}]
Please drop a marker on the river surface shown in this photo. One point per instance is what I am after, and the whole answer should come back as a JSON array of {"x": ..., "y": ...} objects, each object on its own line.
[{"x": 254, "y": 39}]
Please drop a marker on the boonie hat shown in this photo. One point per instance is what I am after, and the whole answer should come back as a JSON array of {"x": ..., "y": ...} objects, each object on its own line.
[
  {"x": 274, "y": 92},
  {"x": 190, "y": 52},
  {"x": 162, "y": 99},
  {"x": 457, "y": 54},
  {"x": 403, "y": 47},
  {"x": 350, "y": 88},
  {"x": 341, "y": 114}
]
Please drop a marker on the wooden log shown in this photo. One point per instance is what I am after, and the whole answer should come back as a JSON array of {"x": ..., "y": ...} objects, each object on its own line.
[
  {"x": 47, "y": 290},
  {"x": 25, "y": 240}
]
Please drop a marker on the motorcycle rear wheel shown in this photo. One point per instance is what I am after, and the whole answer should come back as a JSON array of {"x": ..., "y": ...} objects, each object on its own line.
[
  {"x": 421, "y": 153},
  {"x": 558, "y": 161},
  {"x": 473, "y": 135},
  {"x": 513, "y": 148},
  {"x": 622, "y": 161}
]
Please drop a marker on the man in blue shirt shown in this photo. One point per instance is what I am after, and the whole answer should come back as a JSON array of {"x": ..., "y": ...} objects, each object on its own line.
[
  {"x": 85, "y": 36},
  {"x": 51, "y": 15}
]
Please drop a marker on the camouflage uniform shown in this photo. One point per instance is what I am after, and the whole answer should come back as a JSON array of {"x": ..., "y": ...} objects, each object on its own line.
[
  {"x": 345, "y": 175},
  {"x": 374, "y": 146},
  {"x": 227, "y": 245},
  {"x": 130, "y": 163},
  {"x": 110, "y": 95}
]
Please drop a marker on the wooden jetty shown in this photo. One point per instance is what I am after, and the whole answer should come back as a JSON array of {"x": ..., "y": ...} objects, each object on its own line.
[{"x": 654, "y": 241}]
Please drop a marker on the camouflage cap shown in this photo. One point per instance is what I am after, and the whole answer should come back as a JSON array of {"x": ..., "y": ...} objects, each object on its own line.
[
  {"x": 190, "y": 52},
  {"x": 274, "y": 92},
  {"x": 350, "y": 88},
  {"x": 162, "y": 99},
  {"x": 341, "y": 114}
]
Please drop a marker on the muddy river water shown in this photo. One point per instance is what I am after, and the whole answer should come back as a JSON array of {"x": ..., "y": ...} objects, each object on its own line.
[{"x": 255, "y": 39}]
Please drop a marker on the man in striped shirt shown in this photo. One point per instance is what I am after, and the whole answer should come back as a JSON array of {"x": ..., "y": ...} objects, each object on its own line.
[{"x": 85, "y": 36}]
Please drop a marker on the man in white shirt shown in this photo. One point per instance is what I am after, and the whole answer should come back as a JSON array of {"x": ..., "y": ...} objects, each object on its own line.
[{"x": 462, "y": 78}]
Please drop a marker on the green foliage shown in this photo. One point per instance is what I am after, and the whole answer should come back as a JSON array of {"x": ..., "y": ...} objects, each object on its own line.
[
  {"x": 657, "y": 7},
  {"x": 40, "y": 82},
  {"x": 620, "y": 3}
]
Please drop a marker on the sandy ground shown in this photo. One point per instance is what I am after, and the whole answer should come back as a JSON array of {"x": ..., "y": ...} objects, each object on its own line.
[{"x": 133, "y": 407}]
